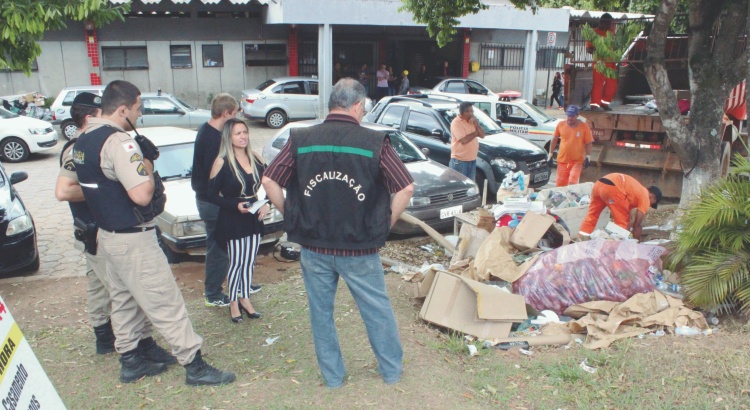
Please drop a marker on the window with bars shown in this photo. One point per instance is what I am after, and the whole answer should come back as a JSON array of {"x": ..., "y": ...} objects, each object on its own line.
[
  {"x": 502, "y": 56},
  {"x": 181, "y": 56},
  {"x": 550, "y": 57},
  {"x": 213, "y": 55},
  {"x": 265, "y": 54},
  {"x": 124, "y": 58}
]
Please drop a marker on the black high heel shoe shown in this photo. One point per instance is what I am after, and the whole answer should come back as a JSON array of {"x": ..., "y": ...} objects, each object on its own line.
[
  {"x": 237, "y": 319},
  {"x": 255, "y": 315}
]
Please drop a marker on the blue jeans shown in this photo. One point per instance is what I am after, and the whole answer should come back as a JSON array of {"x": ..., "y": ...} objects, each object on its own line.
[
  {"x": 366, "y": 281},
  {"x": 467, "y": 168},
  {"x": 217, "y": 261}
]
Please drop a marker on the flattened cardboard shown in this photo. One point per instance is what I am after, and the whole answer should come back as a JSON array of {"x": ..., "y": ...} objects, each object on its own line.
[
  {"x": 531, "y": 229},
  {"x": 471, "y": 307},
  {"x": 494, "y": 257}
]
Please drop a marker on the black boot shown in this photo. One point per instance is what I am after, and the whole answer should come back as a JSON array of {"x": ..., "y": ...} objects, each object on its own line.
[
  {"x": 155, "y": 353},
  {"x": 200, "y": 373},
  {"x": 134, "y": 366},
  {"x": 105, "y": 338}
]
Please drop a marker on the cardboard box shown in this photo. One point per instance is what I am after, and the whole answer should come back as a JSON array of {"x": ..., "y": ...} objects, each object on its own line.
[
  {"x": 471, "y": 307},
  {"x": 531, "y": 229},
  {"x": 495, "y": 257},
  {"x": 573, "y": 217},
  {"x": 560, "y": 235}
]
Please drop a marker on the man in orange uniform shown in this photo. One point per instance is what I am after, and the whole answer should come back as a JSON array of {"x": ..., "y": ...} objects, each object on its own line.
[
  {"x": 575, "y": 147},
  {"x": 620, "y": 193},
  {"x": 603, "y": 89}
]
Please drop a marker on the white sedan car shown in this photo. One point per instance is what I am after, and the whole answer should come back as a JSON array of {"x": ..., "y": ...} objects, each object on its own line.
[
  {"x": 21, "y": 136},
  {"x": 181, "y": 230}
]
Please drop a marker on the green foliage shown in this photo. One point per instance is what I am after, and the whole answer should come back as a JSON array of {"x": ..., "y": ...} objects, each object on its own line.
[
  {"x": 713, "y": 248},
  {"x": 612, "y": 47},
  {"x": 441, "y": 16},
  {"x": 24, "y": 22}
]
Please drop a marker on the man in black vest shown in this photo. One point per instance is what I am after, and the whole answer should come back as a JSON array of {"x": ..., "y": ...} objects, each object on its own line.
[
  {"x": 339, "y": 178},
  {"x": 86, "y": 105},
  {"x": 116, "y": 176}
]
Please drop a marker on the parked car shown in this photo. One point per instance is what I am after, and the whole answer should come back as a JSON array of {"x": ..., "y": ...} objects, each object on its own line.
[
  {"x": 180, "y": 228},
  {"x": 426, "y": 120},
  {"x": 519, "y": 117},
  {"x": 439, "y": 192},
  {"x": 18, "y": 247},
  {"x": 159, "y": 109},
  {"x": 21, "y": 136},
  {"x": 454, "y": 87},
  {"x": 61, "y": 107},
  {"x": 280, "y": 100}
]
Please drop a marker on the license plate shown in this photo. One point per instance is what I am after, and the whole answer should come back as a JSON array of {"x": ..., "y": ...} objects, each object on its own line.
[
  {"x": 452, "y": 211},
  {"x": 541, "y": 176}
]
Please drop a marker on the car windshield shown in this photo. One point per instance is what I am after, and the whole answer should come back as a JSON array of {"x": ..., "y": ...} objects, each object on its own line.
[
  {"x": 540, "y": 113},
  {"x": 175, "y": 161},
  {"x": 184, "y": 104},
  {"x": 490, "y": 127},
  {"x": 7, "y": 114},
  {"x": 265, "y": 85},
  {"x": 406, "y": 150}
]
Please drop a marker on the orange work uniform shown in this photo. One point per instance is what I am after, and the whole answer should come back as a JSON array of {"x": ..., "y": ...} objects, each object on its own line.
[
  {"x": 571, "y": 151},
  {"x": 620, "y": 193},
  {"x": 603, "y": 89}
]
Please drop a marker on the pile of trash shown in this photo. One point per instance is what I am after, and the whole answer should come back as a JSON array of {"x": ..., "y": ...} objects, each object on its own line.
[
  {"x": 30, "y": 105},
  {"x": 516, "y": 276}
]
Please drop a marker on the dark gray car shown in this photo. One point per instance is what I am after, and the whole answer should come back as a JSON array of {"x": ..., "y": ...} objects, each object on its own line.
[{"x": 439, "y": 192}]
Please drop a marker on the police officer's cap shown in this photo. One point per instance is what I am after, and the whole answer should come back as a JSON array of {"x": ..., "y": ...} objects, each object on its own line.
[{"x": 86, "y": 99}]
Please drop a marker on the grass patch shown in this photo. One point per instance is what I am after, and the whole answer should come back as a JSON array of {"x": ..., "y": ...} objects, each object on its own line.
[{"x": 667, "y": 372}]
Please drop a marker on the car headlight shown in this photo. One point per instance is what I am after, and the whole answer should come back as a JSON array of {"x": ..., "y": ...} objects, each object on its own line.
[
  {"x": 20, "y": 221},
  {"x": 419, "y": 201},
  {"x": 504, "y": 163},
  {"x": 472, "y": 191},
  {"x": 38, "y": 131},
  {"x": 190, "y": 228}
]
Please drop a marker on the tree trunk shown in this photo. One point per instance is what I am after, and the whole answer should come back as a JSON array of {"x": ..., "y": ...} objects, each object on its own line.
[{"x": 714, "y": 71}]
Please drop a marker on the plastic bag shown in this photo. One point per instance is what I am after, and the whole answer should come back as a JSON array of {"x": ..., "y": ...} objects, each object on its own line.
[{"x": 589, "y": 271}]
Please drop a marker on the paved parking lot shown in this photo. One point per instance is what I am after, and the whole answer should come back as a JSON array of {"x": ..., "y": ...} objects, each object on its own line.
[{"x": 53, "y": 221}]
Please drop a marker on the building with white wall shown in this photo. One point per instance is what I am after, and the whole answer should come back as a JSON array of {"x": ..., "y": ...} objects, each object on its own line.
[{"x": 198, "y": 48}]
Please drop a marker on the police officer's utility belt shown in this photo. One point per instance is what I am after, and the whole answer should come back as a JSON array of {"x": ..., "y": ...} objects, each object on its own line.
[{"x": 131, "y": 230}]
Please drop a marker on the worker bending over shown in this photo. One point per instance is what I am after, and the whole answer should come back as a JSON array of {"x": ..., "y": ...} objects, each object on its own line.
[{"x": 620, "y": 193}]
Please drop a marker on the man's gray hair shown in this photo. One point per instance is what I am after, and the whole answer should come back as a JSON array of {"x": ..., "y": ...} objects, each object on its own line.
[
  {"x": 346, "y": 93},
  {"x": 464, "y": 106}
]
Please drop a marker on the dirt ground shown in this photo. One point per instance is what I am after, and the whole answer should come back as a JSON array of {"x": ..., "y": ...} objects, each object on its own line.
[{"x": 62, "y": 302}]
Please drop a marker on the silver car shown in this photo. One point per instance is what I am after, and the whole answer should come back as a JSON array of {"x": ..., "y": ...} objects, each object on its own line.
[
  {"x": 280, "y": 100},
  {"x": 159, "y": 109},
  {"x": 440, "y": 193},
  {"x": 181, "y": 230}
]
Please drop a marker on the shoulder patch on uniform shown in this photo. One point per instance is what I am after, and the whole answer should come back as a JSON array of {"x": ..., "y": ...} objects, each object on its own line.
[
  {"x": 142, "y": 170},
  {"x": 136, "y": 157},
  {"x": 69, "y": 165},
  {"x": 129, "y": 146}
]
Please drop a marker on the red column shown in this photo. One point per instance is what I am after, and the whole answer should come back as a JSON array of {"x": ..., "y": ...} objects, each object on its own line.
[
  {"x": 92, "y": 50},
  {"x": 293, "y": 52},
  {"x": 467, "y": 52}
]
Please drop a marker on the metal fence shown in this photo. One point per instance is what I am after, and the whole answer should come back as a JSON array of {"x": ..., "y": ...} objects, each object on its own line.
[
  {"x": 548, "y": 57},
  {"x": 501, "y": 56}
]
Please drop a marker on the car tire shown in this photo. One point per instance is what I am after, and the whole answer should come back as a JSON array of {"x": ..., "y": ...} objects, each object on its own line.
[
  {"x": 14, "y": 149},
  {"x": 276, "y": 119},
  {"x": 68, "y": 128},
  {"x": 172, "y": 256}
]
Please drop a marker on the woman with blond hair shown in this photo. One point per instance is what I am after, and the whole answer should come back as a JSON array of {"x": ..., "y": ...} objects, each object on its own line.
[{"x": 233, "y": 185}]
